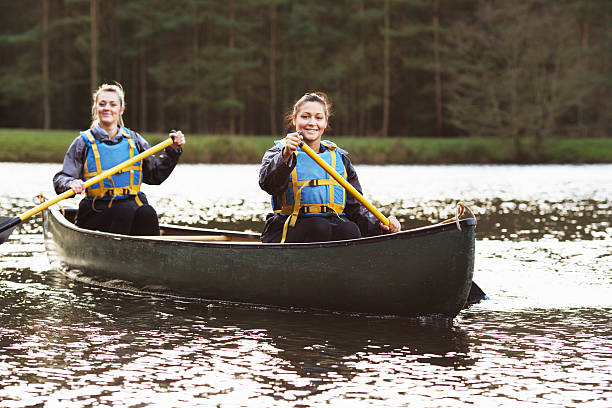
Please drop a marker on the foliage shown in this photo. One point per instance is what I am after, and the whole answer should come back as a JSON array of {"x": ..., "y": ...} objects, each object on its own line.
[
  {"x": 519, "y": 72},
  {"x": 513, "y": 69}
]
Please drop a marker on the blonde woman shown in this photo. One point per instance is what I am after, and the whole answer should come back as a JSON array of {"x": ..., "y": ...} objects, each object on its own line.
[
  {"x": 115, "y": 205},
  {"x": 310, "y": 206}
]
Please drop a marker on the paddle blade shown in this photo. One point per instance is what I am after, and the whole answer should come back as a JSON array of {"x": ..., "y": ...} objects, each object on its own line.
[
  {"x": 476, "y": 295},
  {"x": 7, "y": 225}
]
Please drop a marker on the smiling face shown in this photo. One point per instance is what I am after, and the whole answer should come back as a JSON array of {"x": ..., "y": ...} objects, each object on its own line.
[
  {"x": 108, "y": 109},
  {"x": 311, "y": 120}
]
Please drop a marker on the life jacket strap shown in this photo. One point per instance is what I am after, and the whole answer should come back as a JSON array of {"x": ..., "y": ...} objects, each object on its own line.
[
  {"x": 113, "y": 192},
  {"x": 94, "y": 147},
  {"x": 132, "y": 148},
  {"x": 295, "y": 208},
  {"x": 313, "y": 209},
  {"x": 314, "y": 183},
  {"x": 90, "y": 174}
]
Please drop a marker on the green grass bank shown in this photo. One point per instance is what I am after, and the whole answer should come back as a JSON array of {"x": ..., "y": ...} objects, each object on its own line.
[{"x": 27, "y": 145}]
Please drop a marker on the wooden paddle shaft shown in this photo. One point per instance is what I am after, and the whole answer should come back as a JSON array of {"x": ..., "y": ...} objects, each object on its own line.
[
  {"x": 332, "y": 172},
  {"x": 98, "y": 178}
]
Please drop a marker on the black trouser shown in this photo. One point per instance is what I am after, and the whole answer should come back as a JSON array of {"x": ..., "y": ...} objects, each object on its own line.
[
  {"x": 124, "y": 216},
  {"x": 310, "y": 229}
]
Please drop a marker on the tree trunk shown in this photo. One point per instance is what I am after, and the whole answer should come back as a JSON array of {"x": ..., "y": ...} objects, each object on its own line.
[
  {"x": 585, "y": 51},
  {"x": 206, "y": 125},
  {"x": 160, "y": 116},
  {"x": 242, "y": 115},
  {"x": 93, "y": 14},
  {"x": 438, "y": 82},
  {"x": 231, "y": 46},
  {"x": 362, "y": 90},
  {"x": 195, "y": 107},
  {"x": 45, "y": 66},
  {"x": 386, "y": 69},
  {"x": 116, "y": 39},
  {"x": 143, "y": 88},
  {"x": 272, "y": 69}
]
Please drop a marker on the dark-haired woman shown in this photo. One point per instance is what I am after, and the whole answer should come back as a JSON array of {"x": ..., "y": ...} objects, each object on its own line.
[{"x": 309, "y": 205}]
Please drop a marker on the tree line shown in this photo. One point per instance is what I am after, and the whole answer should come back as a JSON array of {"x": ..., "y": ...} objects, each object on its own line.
[{"x": 503, "y": 68}]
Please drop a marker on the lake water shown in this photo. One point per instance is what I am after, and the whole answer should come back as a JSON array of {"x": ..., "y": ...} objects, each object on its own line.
[{"x": 544, "y": 338}]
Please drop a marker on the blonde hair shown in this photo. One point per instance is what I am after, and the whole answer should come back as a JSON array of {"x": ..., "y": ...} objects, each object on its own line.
[
  {"x": 116, "y": 88},
  {"x": 320, "y": 97}
]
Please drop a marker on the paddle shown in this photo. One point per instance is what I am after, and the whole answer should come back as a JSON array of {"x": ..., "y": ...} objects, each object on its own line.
[
  {"x": 8, "y": 224},
  {"x": 476, "y": 294},
  {"x": 343, "y": 182}
]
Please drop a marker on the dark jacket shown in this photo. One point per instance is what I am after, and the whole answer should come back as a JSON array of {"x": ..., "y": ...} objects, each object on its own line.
[
  {"x": 155, "y": 169},
  {"x": 274, "y": 179}
]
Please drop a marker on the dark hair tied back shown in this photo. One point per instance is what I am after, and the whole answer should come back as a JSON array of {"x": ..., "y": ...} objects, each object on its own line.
[{"x": 320, "y": 97}]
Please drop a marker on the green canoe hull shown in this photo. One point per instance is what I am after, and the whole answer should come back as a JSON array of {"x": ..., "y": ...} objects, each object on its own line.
[{"x": 419, "y": 272}]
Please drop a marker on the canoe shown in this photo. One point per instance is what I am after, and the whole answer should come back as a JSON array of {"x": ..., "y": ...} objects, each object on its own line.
[{"x": 419, "y": 272}]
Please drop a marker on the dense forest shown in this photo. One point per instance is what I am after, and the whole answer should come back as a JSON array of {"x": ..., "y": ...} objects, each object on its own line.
[{"x": 503, "y": 68}]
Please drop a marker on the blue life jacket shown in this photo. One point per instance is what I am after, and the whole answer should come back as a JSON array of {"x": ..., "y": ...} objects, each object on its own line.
[
  {"x": 311, "y": 190},
  {"x": 101, "y": 157}
]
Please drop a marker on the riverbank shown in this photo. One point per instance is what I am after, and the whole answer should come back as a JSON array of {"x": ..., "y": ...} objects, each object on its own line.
[{"x": 33, "y": 145}]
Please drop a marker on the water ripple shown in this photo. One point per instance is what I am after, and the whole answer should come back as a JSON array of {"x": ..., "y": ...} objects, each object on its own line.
[{"x": 543, "y": 338}]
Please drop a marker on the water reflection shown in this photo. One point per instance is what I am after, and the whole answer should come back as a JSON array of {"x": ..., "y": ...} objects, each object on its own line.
[
  {"x": 543, "y": 256},
  {"x": 555, "y": 356},
  {"x": 94, "y": 346},
  {"x": 109, "y": 342}
]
